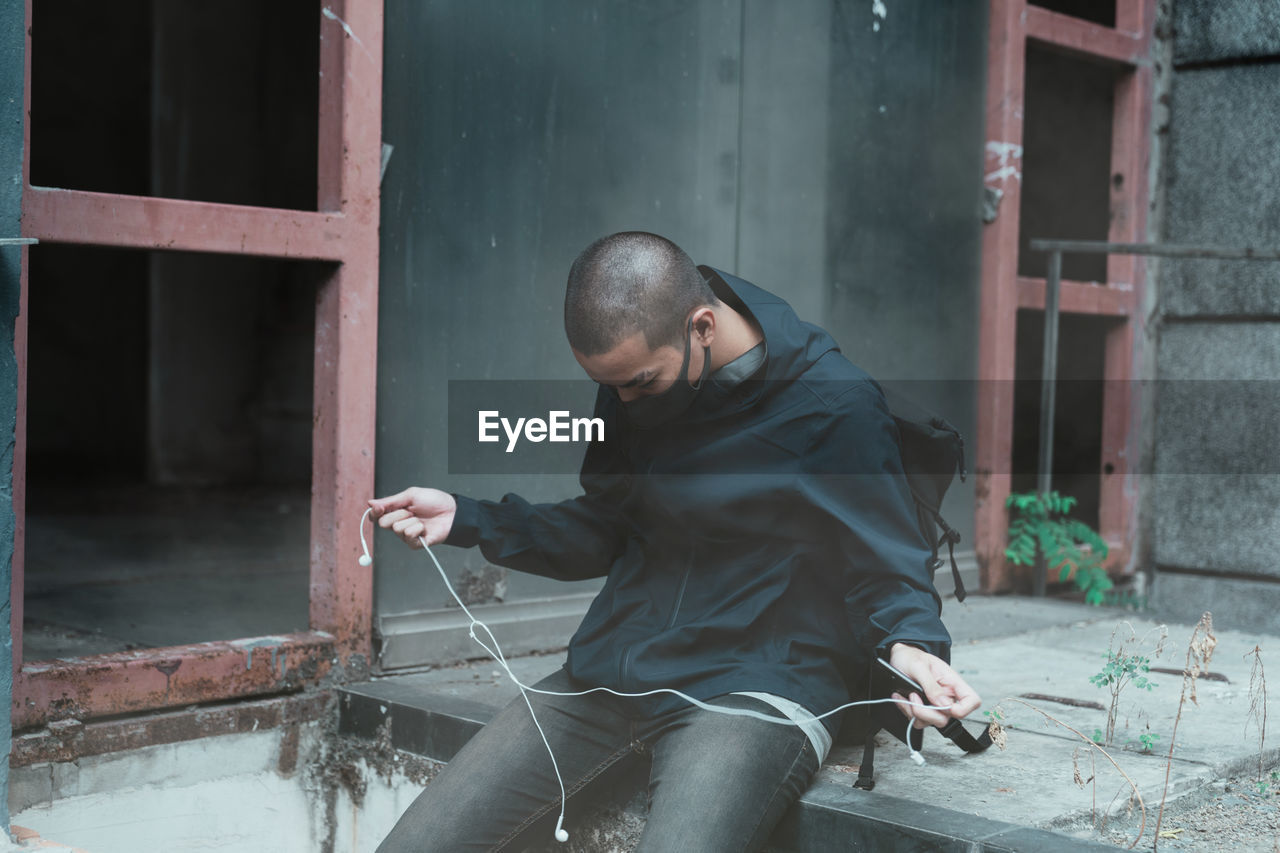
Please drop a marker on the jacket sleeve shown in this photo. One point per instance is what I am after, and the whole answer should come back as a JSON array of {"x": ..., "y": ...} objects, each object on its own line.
[
  {"x": 854, "y": 474},
  {"x": 574, "y": 539}
]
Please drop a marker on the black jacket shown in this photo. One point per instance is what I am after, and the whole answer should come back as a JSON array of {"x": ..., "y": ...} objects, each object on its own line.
[{"x": 766, "y": 540}]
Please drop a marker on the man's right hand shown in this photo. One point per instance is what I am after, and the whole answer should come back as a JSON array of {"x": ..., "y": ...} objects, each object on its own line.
[{"x": 416, "y": 512}]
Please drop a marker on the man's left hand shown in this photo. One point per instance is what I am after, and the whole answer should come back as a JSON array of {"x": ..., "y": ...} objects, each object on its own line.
[{"x": 941, "y": 683}]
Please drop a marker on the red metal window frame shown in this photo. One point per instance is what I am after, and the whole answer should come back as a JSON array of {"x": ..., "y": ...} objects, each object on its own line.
[
  {"x": 1127, "y": 47},
  {"x": 344, "y": 230}
]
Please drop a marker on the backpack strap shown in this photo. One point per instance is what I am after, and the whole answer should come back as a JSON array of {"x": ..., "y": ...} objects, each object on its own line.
[
  {"x": 867, "y": 769},
  {"x": 950, "y": 536},
  {"x": 955, "y": 732}
]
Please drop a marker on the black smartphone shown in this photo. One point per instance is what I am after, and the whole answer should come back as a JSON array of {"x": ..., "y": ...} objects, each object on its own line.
[{"x": 889, "y": 679}]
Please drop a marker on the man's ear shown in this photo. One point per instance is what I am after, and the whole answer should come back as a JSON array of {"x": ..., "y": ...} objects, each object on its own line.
[{"x": 704, "y": 325}]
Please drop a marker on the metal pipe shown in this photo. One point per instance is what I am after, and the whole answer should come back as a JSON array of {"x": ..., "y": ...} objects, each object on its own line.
[
  {"x": 18, "y": 241},
  {"x": 1048, "y": 384},
  {"x": 1209, "y": 252}
]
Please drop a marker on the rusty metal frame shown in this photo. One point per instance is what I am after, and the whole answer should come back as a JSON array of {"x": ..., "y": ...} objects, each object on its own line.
[
  {"x": 1127, "y": 47},
  {"x": 343, "y": 230}
]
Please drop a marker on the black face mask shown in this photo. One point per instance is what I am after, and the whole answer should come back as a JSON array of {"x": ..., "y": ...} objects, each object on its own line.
[{"x": 657, "y": 409}]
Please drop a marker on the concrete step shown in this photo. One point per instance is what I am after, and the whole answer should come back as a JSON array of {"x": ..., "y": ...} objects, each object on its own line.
[
  {"x": 434, "y": 714},
  {"x": 1031, "y": 660}
]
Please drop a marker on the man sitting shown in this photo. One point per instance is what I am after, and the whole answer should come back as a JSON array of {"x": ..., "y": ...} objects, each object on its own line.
[{"x": 759, "y": 543}]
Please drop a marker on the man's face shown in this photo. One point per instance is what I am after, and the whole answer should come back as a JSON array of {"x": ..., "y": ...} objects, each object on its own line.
[
  {"x": 635, "y": 371},
  {"x": 632, "y": 369}
]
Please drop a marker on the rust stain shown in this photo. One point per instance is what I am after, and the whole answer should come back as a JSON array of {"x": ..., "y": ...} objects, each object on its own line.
[
  {"x": 981, "y": 484},
  {"x": 288, "y": 762},
  {"x": 125, "y": 683},
  {"x": 168, "y": 667}
]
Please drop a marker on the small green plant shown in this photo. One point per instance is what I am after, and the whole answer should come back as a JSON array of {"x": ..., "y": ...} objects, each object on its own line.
[
  {"x": 1122, "y": 667},
  {"x": 1146, "y": 742},
  {"x": 1069, "y": 545},
  {"x": 1269, "y": 787}
]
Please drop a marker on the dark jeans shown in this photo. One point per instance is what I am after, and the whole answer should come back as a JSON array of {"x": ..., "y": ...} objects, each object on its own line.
[{"x": 716, "y": 782}]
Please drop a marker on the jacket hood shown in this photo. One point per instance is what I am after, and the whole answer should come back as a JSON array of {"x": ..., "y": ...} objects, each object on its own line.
[{"x": 792, "y": 346}]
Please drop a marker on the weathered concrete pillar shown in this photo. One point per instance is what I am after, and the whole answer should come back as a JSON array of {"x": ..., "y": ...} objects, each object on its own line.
[
  {"x": 12, "y": 50},
  {"x": 1217, "y": 473}
]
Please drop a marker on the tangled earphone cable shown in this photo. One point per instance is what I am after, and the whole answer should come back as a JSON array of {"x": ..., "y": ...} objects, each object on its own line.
[{"x": 495, "y": 651}]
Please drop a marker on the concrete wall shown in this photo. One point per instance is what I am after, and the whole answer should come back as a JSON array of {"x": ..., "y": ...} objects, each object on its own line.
[
  {"x": 12, "y": 50},
  {"x": 1217, "y": 472}
]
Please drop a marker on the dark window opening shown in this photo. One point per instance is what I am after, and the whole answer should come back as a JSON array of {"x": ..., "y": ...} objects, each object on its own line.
[
  {"x": 169, "y": 419},
  {"x": 150, "y": 99},
  {"x": 1066, "y": 161},
  {"x": 1095, "y": 11},
  {"x": 1077, "y": 422}
]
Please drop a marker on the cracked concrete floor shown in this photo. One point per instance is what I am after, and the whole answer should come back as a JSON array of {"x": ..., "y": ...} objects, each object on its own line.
[{"x": 134, "y": 567}]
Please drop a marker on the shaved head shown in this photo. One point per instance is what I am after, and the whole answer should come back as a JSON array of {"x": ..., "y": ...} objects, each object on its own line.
[{"x": 631, "y": 282}]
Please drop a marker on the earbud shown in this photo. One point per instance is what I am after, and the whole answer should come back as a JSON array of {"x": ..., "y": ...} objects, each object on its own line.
[
  {"x": 915, "y": 754},
  {"x": 562, "y": 836},
  {"x": 365, "y": 560}
]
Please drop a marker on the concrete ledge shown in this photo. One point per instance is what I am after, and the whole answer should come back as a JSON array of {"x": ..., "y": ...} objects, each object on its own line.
[
  {"x": 832, "y": 818},
  {"x": 828, "y": 818},
  {"x": 71, "y": 740},
  {"x": 431, "y": 725},
  {"x": 1242, "y": 602}
]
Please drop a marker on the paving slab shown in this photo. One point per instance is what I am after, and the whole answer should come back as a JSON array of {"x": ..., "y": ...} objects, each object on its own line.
[{"x": 1008, "y": 648}]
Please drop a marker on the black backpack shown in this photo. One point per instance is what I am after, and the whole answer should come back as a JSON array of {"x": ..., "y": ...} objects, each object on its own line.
[{"x": 932, "y": 452}]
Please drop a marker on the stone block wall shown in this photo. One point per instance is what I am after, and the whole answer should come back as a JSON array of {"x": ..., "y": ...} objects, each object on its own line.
[{"x": 1216, "y": 469}]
